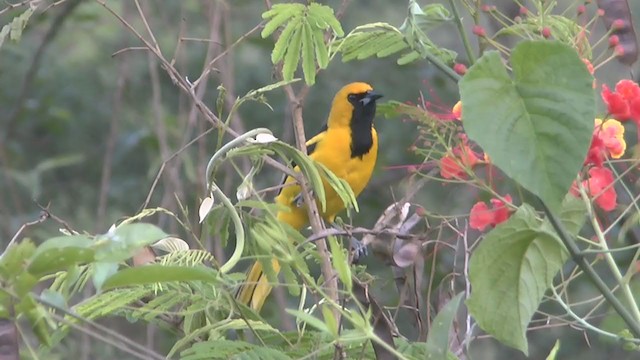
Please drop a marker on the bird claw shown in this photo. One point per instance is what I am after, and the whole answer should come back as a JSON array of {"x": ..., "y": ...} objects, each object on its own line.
[{"x": 358, "y": 248}]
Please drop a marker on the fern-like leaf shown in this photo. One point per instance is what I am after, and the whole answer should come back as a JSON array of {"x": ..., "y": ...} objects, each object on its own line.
[
  {"x": 227, "y": 349},
  {"x": 302, "y": 37},
  {"x": 279, "y": 14}
]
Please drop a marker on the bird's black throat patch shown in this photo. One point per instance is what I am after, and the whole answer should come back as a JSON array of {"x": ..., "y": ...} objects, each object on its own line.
[{"x": 361, "y": 125}]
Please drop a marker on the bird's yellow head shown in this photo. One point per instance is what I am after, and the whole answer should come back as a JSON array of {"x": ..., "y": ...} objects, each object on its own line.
[{"x": 354, "y": 102}]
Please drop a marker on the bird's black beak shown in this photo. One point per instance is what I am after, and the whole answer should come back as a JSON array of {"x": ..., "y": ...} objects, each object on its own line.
[{"x": 371, "y": 96}]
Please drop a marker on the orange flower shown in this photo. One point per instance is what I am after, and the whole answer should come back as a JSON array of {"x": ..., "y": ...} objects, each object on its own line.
[
  {"x": 457, "y": 110},
  {"x": 612, "y": 134},
  {"x": 608, "y": 138}
]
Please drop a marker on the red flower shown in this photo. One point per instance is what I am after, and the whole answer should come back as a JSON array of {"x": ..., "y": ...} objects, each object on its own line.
[
  {"x": 624, "y": 103},
  {"x": 452, "y": 166},
  {"x": 599, "y": 185},
  {"x": 617, "y": 106},
  {"x": 482, "y": 216},
  {"x": 628, "y": 89},
  {"x": 634, "y": 109}
]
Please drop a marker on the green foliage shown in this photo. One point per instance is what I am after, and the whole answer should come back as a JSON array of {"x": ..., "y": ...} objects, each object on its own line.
[
  {"x": 536, "y": 127},
  {"x": 382, "y": 39},
  {"x": 59, "y": 253},
  {"x": 120, "y": 244},
  {"x": 156, "y": 273},
  {"x": 438, "y": 340},
  {"x": 340, "y": 261},
  {"x": 554, "y": 351},
  {"x": 302, "y": 36},
  {"x": 16, "y": 26},
  {"x": 228, "y": 349},
  {"x": 512, "y": 268},
  {"x": 564, "y": 30}
]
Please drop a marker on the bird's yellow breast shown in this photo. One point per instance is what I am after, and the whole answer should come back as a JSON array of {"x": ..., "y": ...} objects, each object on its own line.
[{"x": 334, "y": 152}]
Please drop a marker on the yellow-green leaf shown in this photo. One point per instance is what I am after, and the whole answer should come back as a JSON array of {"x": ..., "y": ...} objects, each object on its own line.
[
  {"x": 308, "y": 64},
  {"x": 283, "y": 41},
  {"x": 292, "y": 57}
]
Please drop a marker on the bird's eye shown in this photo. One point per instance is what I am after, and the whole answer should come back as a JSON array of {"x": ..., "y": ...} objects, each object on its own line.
[{"x": 352, "y": 97}]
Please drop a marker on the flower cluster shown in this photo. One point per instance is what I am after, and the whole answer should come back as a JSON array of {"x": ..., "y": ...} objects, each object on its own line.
[{"x": 607, "y": 142}]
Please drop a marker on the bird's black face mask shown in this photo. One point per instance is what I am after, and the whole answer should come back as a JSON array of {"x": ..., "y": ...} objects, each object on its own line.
[{"x": 364, "y": 110}]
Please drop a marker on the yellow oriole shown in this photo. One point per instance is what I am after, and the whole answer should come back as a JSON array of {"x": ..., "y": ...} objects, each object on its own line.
[{"x": 348, "y": 146}]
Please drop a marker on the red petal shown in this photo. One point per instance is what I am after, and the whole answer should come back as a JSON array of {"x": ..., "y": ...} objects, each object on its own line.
[
  {"x": 481, "y": 216},
  {"x": 634, "y": 109},
  {"x": 600, "y": 186},
  {"x": 596, "y": 152},
  {"x": 628, "y": 89},
  {"x": 617, "y": 106},
  {"x": 450, "y": 169}
]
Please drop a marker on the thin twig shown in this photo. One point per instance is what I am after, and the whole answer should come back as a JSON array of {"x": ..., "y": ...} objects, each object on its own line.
[{"x": 574, "y": 251}]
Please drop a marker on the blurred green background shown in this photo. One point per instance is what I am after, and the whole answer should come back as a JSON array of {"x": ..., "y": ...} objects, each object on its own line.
[{"x": 85, "y": 126}]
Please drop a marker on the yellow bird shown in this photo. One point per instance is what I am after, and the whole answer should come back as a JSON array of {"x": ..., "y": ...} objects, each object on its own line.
[{"x": 348, "y": 146}]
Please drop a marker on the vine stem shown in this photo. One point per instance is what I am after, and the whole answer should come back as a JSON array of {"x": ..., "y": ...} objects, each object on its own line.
[
  {"x": 237, "y": 223},
  {"x": 465, "y": 39},
  {"x": 584, "y": 265},
  {"x": 583, "y": 322},
  {"x": 608, "y": 257},
  {"x": 442, "y": 67}
]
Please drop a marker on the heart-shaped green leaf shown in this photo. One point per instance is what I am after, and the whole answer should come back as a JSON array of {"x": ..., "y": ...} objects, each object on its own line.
[{"x": 536, "y": 126}]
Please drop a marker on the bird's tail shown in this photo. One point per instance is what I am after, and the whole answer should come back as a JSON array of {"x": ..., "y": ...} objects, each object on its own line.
[{"x": 256, "y": 288}]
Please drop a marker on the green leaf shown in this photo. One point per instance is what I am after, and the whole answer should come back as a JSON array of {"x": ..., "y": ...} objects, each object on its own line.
[
  {"x": 554, "y": 351},
  {"x": 308, "y": 53},
  {"x": 231, "y": 349},
  {"x": 14, "y": 257},
  {"x": 509, "y": 272},
  {"x": 326, "y": 13},
  {"x": 16, "y": 26},
  {"x": 292, "y": 57},
  {"x": 330, "y": 320},
  {"x": 322, "y": 54},
  {"x": 309, "y": 319},
  {"x": 41, "y": 324},
  {"x": 54, "y": 298},
  {"x": 59, "y": 253},
  {"x": 154, "y": 273},
  {"x": 279, "y": 14},
  {"x": 102, "y": 271},
  {"x": 340, "y": 262},
  {"x": 122, "y": 243},
  {"x": 283, "y": 41},
  {"x": 572, "y": 216},
  {"x": 408, "y": 58},
  {"x": 536, "y": 127},
  {"x": 438, "y": 339}
]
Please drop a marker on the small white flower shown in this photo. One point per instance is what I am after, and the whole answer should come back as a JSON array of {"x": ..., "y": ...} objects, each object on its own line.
[
  {"x": 205, "y": 207},
  {"x": 265, "y": 138},
  {"x": 262, "y": 139}
]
